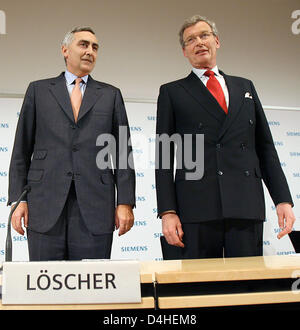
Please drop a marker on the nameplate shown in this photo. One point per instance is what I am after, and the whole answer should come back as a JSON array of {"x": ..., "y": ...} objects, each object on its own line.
[{"x": 71, "y": 282}]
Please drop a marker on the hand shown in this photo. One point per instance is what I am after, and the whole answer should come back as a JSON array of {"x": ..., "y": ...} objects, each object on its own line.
[
  {"x": 286, "y": 218},
  {"x": 21, "y": 212},
  {"x": 172, "y": 230},
  {"x": 124, "y": 218}
]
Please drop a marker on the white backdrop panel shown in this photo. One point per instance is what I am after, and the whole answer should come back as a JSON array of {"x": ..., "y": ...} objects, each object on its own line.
[{"x": 142, "y": 242}]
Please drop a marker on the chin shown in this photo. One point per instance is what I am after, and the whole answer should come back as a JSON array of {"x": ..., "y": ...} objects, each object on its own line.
[
  {"x": 87, "y": 66},
  {"x": 203, "y": 64},
  {"x": 86, "y": 71}
]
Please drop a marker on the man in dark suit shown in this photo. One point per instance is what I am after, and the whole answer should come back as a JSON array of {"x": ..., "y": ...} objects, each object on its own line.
[
  {"x": 70, "y": 210},
  {"x": 222, "y": 213}
]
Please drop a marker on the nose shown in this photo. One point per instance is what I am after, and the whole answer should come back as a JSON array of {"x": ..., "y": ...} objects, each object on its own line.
[
  {"x": 89, "y": 50},
  {"x": 199, "y": 40}
]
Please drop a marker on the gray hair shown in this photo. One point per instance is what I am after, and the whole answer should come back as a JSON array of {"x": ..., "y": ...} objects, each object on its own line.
[
  {"x": 194, "y": 20},
  {"x": 69, "y": 37}
]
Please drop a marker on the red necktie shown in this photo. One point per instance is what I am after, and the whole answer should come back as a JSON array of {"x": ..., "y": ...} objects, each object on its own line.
[{"x": 215, "y": 88}]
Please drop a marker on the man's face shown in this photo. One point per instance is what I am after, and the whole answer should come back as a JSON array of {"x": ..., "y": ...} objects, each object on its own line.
[
  {"x": 201, "y": 53},
  {"x": 81, "y": 54}
]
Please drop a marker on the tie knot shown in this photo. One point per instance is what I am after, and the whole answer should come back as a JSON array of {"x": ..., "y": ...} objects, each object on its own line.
[
  {"x": 209, "y": 73},
  {"x": 77, "y": 81}
]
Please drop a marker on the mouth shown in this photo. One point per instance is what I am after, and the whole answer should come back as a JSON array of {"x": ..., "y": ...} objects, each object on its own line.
[
  {"x": 201, "y": 51},
  {"x": 87, "y": 60}
]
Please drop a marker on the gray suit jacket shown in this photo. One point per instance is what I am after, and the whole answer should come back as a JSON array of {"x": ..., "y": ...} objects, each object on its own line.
[{"x": 51, "y": 150}]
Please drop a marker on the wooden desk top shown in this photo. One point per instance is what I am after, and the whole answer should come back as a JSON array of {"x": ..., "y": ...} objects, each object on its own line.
[
  {"x": 227, "y": 269},
  {"x": 191, "y": 270}
]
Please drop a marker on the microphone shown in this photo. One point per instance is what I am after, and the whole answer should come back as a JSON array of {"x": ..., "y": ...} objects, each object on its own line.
[{"x": 8, "y": 245}]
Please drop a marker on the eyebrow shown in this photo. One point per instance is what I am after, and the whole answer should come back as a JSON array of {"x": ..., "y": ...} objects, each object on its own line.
[
  {"x": 201, "y": 32},
  {"x": 88, "y": 42}
]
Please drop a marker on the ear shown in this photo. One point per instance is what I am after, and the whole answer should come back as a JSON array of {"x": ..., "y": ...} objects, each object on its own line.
[
  {"x": 64, "y": 51},
  {"x": 183, "y": 51},
  {"x": 218, "y": 45}
]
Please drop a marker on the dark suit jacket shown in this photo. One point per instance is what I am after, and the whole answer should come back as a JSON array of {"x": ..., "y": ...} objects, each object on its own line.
[
  {"x": 51, "y": 150},
  {"x": 238, "y": 153}
]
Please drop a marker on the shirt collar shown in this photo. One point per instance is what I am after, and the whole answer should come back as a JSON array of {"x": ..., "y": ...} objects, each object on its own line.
[
  {"x": 200, "y": 72},
  {"x": 70, "y": 77}
]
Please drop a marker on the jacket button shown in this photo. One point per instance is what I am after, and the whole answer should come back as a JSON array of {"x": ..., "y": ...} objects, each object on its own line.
[
  {"x": 220, "y": 173},
  {"x": 247, "y": 173},
  {"x": 243, "y": 145},
  {"x": 73, "y": 126},
  {"x": 251, "y": 122},
  {"x": 218, "y": 145},
  {"x": 200, "y": 125},
  {"x": 69, "y": 174},
  {"x": 74, "y": 149}
]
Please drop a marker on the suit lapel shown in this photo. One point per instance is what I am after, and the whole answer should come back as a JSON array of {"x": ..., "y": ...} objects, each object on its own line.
[
  {"x": 59, "y": 90},
  {"x": 197, "y": 89},
  {"x": 235, "y": 102},
  {"x": 92, "y": 93}
]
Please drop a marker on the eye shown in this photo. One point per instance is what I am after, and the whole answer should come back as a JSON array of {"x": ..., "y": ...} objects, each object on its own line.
[
  {"x": 83, "y": 44},
  {"x": 190, "y": 40}
]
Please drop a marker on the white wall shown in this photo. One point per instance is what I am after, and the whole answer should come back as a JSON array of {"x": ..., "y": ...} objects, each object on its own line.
[{"x": 139, "y": 44}]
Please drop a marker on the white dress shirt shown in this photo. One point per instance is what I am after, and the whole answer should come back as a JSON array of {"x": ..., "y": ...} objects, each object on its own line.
[{"x": 70, "y": 77}]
